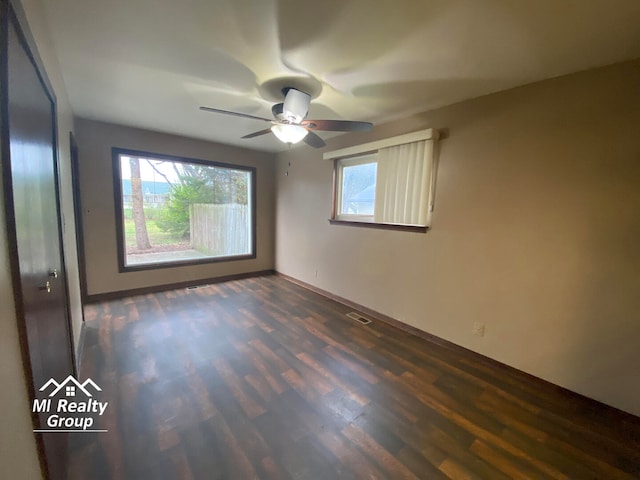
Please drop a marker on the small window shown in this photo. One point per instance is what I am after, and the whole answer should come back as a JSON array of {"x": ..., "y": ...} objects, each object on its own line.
[
  {"x": 388, "y": 183},
  {"x": 173, "y": 211},
  {"x": 357, "y": 185}
]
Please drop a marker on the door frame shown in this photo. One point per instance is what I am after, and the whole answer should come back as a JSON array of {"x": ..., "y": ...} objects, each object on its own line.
[
  {"x": 12, "y": 11},
  {"x": 77, "y": 210}
]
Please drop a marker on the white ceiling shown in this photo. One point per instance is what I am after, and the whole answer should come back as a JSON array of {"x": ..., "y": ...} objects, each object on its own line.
[{"x": 152, "y": 63}]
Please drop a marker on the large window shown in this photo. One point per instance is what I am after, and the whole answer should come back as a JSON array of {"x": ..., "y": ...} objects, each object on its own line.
[
  {"x": 386, "y": 184},
  {"x": 176, "y": 211}
]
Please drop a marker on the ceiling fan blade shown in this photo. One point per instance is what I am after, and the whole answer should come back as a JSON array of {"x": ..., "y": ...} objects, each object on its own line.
[
  {"x": 337, "y": 125},
  {"x": 235, "y": 114},
  {"x": 313, "y": 140},
  {"x": 257, "y": 134},
  {"x": 296, "y": 105}
]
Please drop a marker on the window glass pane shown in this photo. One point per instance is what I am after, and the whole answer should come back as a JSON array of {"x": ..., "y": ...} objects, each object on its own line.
[
  {"x": 358, "y": 189},
  {"x": 176, "y": 211}
]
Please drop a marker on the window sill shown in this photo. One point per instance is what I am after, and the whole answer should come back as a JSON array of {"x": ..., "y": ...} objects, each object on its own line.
[
  {"x": 381, "y": 226},
  {"x": 122, "y": 268}
]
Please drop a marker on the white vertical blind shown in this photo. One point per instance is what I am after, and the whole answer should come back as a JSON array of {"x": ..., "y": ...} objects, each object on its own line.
[{"x": 403, "y": 185}]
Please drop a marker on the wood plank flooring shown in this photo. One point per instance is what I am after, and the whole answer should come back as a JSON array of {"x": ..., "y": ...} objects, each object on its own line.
[{"x": 262, "y": 379}]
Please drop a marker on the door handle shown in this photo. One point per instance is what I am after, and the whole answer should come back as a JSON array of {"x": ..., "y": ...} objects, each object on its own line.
[
  {"x": 53, "y": 273},
  {"x": 47, "y": 287}
]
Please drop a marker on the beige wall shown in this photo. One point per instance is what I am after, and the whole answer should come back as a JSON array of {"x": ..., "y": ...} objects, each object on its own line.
[
  {"x": 95, "y": 140},
  {"x": 535, "y": 232},
  {"x": 18, "y": 457}
]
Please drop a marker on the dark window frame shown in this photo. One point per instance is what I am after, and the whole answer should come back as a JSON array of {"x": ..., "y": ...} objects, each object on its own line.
[{"x": 116, "y": 152}]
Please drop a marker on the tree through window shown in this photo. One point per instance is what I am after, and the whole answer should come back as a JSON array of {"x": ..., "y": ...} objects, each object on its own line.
[{"x": 176, "y": 211}]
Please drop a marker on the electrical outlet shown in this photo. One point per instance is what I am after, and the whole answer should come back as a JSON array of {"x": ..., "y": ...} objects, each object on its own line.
[
  {"x": 315, "y": 273},
  {"x": 478, "y": 329}
]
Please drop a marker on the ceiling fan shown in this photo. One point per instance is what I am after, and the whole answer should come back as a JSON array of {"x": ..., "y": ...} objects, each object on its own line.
[{"x": 289, "y": 123}]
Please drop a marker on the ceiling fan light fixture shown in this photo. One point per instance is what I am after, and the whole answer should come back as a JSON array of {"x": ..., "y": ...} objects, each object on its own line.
[{"x": 289, "y": 133}]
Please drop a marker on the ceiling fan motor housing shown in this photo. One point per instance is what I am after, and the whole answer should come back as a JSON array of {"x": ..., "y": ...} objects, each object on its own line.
[
  {"x": 296, "y": 105},
  {"x": 278, "y": 111}
]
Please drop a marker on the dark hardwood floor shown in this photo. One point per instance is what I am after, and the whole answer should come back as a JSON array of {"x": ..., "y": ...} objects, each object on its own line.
[{"x": 260, "y": 378}]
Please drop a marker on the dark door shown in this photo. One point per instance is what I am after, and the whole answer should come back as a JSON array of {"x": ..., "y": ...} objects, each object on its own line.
[{"x": 33, "y": 214}]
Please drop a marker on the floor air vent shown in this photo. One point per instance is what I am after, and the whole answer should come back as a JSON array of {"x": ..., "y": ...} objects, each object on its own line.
[
  {"x": 197, "y": 287},
  {"x": 358, "y": 318}
]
